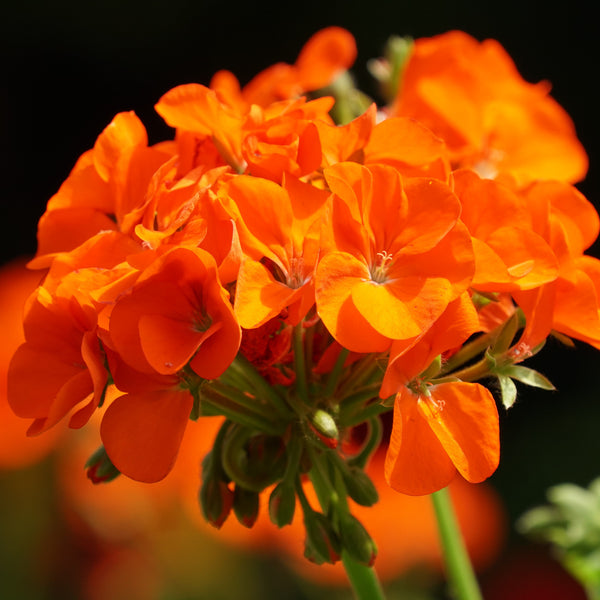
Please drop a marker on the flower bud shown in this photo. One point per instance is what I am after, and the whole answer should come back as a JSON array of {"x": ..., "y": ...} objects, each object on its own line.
[
  {"x": 215, "y": 496},
  {"x": 323, "y": 424},
  {"x": 100, "y": 468},
  {"x": 216, "y": 500},
  {"x": 356, "y": 540},
  {"x": 360, "y": 487},
  {"x": 245, "y": 506},
  {"x": 282, "y": 504},
  {"x": 321, "y": 544}
]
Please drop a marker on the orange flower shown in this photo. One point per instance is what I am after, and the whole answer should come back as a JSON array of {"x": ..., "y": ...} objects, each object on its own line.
[
  {"x": 571, "y": 303},
  {"x": 399, "y": 142},
  {"x": 60, "y": 365},
  {"x": 508, "y": 254},
  {"x": 177, "y": 312},
  {"x": 283, "y": 138},
  {"x": 105, "y": 190},
  {"x": 395, "y": 256},
  {"x": 324, "y": 56},
  {"x": 16, "y": 449},
  {"x": 471, "y": 95},
  {"x": 439, "y": 429},
  {"x": 279, "y": 229}
]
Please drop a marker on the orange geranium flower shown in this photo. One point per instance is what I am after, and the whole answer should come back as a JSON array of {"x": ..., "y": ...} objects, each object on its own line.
[
  {"x": 60, "y": 365},
  {"x": 106, "y": 190},
  {"x": 471, "y": 95},
  {"x": 324, "y": 56},
  {"x": 509, "y": 255},
  {"x": 279, "y": 229},
  {"x": 177, "y": 312},
  {"x": 399, "y": 142},
  {"x": 571, "y": 303},
  {"x": 439, "y": 429},
  {"x": 283, "y": 138},
  {"x": 395, "y": 255},
  {"x": 16, "y": 449}
]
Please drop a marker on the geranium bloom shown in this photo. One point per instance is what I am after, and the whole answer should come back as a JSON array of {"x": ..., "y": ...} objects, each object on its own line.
[
  {"x": 508, "y": 254},
  {"x": 324, "y": 56},
  {"x": 399, "y": 142},
  {"x": 16, "y": 449},
  {"x": 104, "y": 191},
  {"x": 395, "y": 255},
  {"x": 471, "y": 95},
  {"x": 177, "y": 312},
  {"x": 443, "y": 428},
  {"x": 279, "y": 228},
  {"x": 60, "y": 365},
  {"x": 570, "y": 304}
]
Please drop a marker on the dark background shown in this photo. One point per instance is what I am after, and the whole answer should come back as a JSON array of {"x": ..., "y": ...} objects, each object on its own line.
[{"x": 69, "y": 66}]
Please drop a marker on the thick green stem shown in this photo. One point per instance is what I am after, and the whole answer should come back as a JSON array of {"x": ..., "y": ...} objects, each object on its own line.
[
  {"x": 363, "y": 579},
  {"x": 460, "y": 571}
]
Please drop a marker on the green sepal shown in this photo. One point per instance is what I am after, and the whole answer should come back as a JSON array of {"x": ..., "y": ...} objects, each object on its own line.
[
  {"x": 508, "y": 390},
  {"x": 528, "y": 377}
]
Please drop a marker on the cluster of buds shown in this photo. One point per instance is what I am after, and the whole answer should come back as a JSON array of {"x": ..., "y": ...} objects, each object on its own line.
[{"x": 300, "y": 276}]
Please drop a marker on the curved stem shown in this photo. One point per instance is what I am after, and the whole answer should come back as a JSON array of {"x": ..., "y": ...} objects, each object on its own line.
[{"x": 460, "y": 571}]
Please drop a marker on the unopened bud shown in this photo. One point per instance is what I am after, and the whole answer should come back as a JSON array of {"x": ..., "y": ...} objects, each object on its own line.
[
  {"x": 100, "y": 468},
  {"x": 323, "y": 424},
  {"x": 245, "y": 506},
  {"x": 321, "y": 544},
  {"x": 282, "y": 504},
  {"x": 360, "y": 487},
  {"x": 356, "y": 540},
  {"x": 216, "y": 500}
]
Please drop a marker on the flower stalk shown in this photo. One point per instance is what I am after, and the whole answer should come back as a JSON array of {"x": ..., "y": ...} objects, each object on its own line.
[{"x": 460, "y": 571}]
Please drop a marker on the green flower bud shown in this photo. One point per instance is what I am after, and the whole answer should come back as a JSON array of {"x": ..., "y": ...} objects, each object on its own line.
[
  {"x": 282, "y": 504},
  {"x": 216, "y": 500},
  {"x": 245, "y": 506},
  {"x": 321, "y": 544},
  {"x": 323, "y": 424},
  {"x": 360, "y": 487},
  {"x": 356, "y": 540}
]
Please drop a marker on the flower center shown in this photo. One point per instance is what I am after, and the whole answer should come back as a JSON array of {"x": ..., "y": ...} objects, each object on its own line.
[{"x": 380, "y": 268}]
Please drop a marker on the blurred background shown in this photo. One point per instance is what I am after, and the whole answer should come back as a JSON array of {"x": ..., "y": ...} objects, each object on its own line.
[{"x": 68, "y": 68}]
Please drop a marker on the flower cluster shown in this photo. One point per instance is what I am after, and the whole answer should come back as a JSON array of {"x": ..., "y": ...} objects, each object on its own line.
[{"x": 301, "y": 276}]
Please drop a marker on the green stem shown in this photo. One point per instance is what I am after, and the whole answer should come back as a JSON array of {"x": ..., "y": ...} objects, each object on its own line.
[
  {"x": 372, "y": 442},
  {"x": 460, "y": 571},
  {"x": 300, "y": 364},
  {"x": 363, "y": 579},
  {"x": 469, "y": 351},
  {"x": 242, "y": 367},
  {"x": 334, "y": 376},
  {"x": 474, "y": 372}
]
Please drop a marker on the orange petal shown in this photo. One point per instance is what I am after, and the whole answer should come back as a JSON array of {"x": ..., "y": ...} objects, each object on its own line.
[
  {"x": 142, "y": 432},
  {"x": 336, "y": 276},
  {"x": 416, "y": 463},
  {"x": 464, "y": 418}
]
